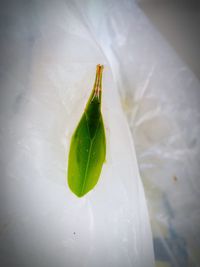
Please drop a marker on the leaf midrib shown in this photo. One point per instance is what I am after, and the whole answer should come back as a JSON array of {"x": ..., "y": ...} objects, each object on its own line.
[{"x": 89, "y": 155}]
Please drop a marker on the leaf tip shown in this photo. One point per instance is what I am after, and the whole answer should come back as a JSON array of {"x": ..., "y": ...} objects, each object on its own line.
[{"x": 100, "y": 68}]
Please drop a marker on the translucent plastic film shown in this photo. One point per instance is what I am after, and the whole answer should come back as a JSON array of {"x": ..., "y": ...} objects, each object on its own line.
[
  {"x": 49, "y": 57},
  {"x": 160, "y": 96}
]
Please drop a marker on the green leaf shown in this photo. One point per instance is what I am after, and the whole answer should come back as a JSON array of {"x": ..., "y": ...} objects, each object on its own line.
[{"x": 88, "y": 144}]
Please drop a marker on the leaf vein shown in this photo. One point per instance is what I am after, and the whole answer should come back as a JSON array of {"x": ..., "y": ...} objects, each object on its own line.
[{"x": 89, "y": 155}]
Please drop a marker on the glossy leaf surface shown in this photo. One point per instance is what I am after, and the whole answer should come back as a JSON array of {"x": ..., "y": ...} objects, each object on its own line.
[{"x": 88, "y": 144}]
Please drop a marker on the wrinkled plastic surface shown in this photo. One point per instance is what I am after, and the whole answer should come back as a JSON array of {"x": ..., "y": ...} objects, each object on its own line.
[
  {"x": 160, "y": 96},
  {"x": 49, "y": 58}
]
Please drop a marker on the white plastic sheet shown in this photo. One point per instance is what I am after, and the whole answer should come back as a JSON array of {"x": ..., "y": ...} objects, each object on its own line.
[
  {"x": 48, "y": 53},
  {"x": 48, "y": 65},
  {"x": 160, "y": 96}
]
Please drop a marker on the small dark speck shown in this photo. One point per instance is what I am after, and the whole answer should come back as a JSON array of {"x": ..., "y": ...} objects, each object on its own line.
[
  {"x": 74, "y": 233},
  {"x": 175, "y": 178}
]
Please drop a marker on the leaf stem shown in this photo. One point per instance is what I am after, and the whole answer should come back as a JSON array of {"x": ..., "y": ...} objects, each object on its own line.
[{"x": 98, "y": 81}]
